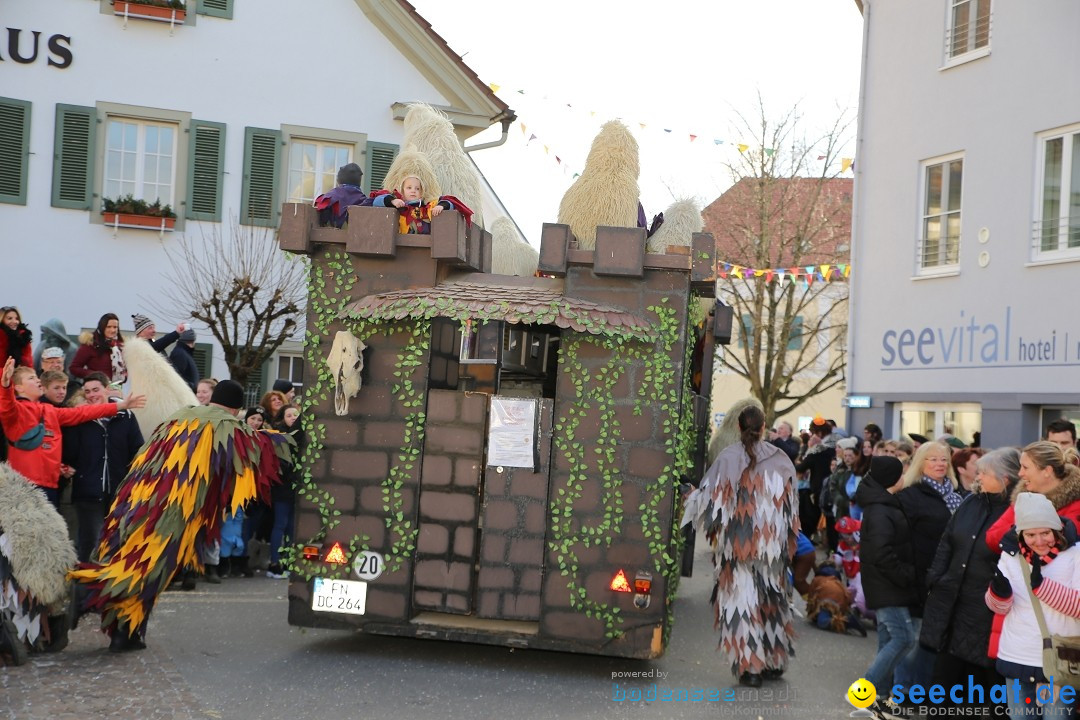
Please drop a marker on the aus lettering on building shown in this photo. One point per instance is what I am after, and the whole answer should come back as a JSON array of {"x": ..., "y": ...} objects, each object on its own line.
[{"x": 29, "y": 46}]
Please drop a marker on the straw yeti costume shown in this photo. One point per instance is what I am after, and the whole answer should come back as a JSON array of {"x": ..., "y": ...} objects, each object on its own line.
[
  {"x": 432, "y": 133},
  {"x": 681, "y": 220},
  {"x": 751, "y": 519},
  {"x": 607, "y": 192},
  {"x": 509, "y": 255},
  {"x": 151, "y": 375},
  {"x": 201, "y": 463},
  {"x": 35, "y": 557}
]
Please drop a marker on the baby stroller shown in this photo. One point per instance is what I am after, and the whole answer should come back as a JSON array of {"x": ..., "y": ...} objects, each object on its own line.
[{"x": 35, "y": 557}]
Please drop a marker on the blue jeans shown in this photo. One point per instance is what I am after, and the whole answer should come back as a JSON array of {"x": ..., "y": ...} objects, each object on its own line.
[
  {"x": 917, "y": 668},
  {"x": 1030, "y": 688},
  {"x": 896, "y": 637},
  {"x": 283, "y": 527}
]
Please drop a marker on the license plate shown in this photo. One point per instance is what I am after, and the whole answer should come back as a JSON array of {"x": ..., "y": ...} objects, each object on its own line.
[{"x": 339, "y": 596}]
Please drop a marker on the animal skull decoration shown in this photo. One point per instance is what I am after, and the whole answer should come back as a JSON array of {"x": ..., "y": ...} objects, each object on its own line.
[{"x": 346, "y": 361}]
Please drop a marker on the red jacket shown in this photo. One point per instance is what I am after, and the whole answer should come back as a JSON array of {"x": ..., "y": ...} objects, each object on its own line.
[
  {"x": 90, "y": 358},
  {"x": 25, "y": 358},
  {"x": 41, "y": 465}
]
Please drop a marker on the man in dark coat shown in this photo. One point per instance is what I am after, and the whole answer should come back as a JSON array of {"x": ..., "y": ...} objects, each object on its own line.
[
  {"x": 100, "y": 451},
  {"x": 785, "y": 441},
  {"x": 146, "y": 330},
  {"x": 183, "y": 359},
  {"x": 888, "y": 568}
]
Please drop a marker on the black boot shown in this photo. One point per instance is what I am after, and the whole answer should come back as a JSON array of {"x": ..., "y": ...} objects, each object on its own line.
[
  {"x": 211, "y": 575},
  {"x": 123, "y": 641},
  {"x": 750, "y": 679},
  {"x": 245, "y": 570},
  {"x": 188, "y": 581}
]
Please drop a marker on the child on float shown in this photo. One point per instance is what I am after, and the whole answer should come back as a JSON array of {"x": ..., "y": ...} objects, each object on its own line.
[
  {"x": 1055, "y": 581},
  {"x": 414, "y": 190}
]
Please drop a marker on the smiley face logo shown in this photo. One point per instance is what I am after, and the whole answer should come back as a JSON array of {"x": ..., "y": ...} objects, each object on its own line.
[{"x": 862, "y": 693}]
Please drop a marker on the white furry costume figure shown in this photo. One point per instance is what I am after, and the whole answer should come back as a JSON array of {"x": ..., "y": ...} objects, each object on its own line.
[
  {"x": 607, "y": 192},
  {"x": 433, "y": 134},
  {"x": 750, "y": 515},
  {"x": 509, "y": 255},
  {"x": 152, "y": 375},
  {"x": 35, "y": 557},
  {"x": 681, "y": 220}
]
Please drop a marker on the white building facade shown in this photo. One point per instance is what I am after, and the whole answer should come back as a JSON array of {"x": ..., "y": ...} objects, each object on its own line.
[
  {"x": 966, "y": 235},
  {"x": 223, "y": 115}
]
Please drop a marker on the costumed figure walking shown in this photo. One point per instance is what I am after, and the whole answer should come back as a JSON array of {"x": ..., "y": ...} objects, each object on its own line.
[
  {"x": 747, "y": 505},
  {"x": 35, "y": 557},
  {"x": 201, "y": 463}
]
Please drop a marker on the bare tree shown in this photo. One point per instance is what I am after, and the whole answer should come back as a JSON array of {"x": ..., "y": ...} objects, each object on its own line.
[
  {"x": 788, "y": 208},
  {"x": 247, "y": 291}
]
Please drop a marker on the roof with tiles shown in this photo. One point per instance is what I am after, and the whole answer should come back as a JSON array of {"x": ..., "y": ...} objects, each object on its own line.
[{"x": 538, "y": 302}]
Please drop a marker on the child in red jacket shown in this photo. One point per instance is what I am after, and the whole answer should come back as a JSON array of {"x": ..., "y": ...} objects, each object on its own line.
[{"x": 33, "y": 428}]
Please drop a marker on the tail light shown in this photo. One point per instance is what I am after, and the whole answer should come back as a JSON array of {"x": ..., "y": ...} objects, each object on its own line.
[{"x": 312, "y": 552}]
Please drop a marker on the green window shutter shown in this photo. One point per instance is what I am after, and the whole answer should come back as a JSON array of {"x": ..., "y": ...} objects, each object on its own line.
[
  {"x": 203, "y": 358},
  {"x": 14, "y": 150},
  {"x": 379, "y": 157},
  {"x": 795, "y": 337},
  {"x": 73, "y": 156},
  {"x": 746, "y": 330},
  {"x": 216, "y": 8},
  {"x": 262, "y": 159},
  {"x": 206, "y": 170}
]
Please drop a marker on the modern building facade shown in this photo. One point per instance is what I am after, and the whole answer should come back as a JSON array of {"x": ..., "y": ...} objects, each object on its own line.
[
  {"x": 966, "y": 237},
  {"x": 224, "y": 114}
]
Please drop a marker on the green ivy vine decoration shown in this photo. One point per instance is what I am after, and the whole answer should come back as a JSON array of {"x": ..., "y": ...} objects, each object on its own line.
[{"x": 326, "y": 307}]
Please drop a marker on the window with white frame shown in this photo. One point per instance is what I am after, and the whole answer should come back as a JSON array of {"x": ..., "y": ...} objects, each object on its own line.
[
  {"x": 291, "y": 368},
  {"x": 939, "y": 241},
  {"x": 1057, "y": 226},
  {"x": 140, "y": 160},
  {"x": 968, "y": 28},
  {"x": 313, "y": 166}
]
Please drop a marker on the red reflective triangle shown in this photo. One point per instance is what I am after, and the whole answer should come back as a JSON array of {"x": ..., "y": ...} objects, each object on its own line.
[
  {"x": 336, "y": 556},
  {"x": 619, "y": 582}
]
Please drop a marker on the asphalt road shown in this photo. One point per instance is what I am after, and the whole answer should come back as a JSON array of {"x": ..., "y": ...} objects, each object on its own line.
[{"x": 226, "y": 652}]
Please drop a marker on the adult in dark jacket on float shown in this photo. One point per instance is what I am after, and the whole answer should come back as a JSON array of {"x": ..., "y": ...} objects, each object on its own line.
[
  {"x": 929, "y": 499},
  {"x": 888, "y": 567},
  {"x": 956, "y": 621}
]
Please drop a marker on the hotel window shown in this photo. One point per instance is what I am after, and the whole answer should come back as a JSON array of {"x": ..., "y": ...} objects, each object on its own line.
[
  {"x": 313, "y": 166},
  {"x": 939, "y": 236},
  {"x": 111, "y": 150},
  {"x": 967, "y": 35},
  {"x": 140, "y": 160},
  {"x": 1057, "y": 224}
]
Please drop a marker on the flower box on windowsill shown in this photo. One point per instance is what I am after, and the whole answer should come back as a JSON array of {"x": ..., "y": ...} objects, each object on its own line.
[
  {"x": 143, "y": 222},
  {"x": 146, "y": 11}
]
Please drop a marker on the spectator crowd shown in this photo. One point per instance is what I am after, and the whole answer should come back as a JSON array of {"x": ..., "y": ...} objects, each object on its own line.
[{"x": 68, "y": 429}]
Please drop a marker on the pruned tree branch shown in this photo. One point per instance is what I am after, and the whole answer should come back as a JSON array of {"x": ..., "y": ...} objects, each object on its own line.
[
  {"x": 786, "y": 209},
  {"x": 250, "y": 294}
]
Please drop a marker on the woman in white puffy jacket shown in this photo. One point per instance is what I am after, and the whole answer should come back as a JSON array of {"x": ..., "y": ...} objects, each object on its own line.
[{"x": 1055, "y": 579}]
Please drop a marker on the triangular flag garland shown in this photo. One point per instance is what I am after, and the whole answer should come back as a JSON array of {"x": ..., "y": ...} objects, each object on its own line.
[
  {"x": 826, "y": 272},
  {"x": 846, "y": 163}
]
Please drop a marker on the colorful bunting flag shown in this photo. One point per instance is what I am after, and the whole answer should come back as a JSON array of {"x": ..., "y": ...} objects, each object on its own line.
[
  {"x": 845, "y": 163},
  {"x": 494, "y": 87},
  {"x": 743, "y": 148}
]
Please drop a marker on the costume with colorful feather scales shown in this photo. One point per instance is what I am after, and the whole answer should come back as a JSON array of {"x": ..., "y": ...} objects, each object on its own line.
[
  {"x": 750, "y": 516},
  {"x": 199, "y": 464}
]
